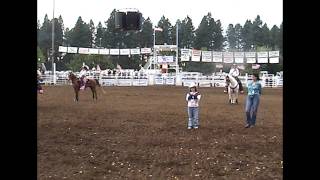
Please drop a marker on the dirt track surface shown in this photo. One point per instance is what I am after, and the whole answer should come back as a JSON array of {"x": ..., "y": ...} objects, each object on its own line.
[{"x": 141, "y": 133}]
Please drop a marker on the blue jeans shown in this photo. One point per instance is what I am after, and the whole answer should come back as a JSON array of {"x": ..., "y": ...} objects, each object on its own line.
[
  {"x": 252, "y": 108},
  {"x": 193, "y": 113}
]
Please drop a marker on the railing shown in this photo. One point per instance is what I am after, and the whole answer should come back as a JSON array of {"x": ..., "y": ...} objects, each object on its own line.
[{"x": 139, "y": 79}]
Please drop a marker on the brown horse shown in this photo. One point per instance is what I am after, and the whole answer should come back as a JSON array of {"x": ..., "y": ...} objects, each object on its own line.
[
  {"x": 39, "y": 87},
  {"x": 92, "y": 83}
]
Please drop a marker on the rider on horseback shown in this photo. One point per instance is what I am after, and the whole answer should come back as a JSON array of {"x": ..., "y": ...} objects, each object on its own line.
[
  {"x": 82, "y": 75},
  {"x": 38, "y": 81},
  {"x": 234, "y": 71}
]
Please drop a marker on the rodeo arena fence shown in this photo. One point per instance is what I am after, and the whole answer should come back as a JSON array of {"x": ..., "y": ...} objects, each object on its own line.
[{"x": 142, "y": 78}]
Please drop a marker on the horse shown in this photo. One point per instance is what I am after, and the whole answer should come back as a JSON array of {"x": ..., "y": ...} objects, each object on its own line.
[
  {"x": 92, "y": 83},
  {"x": 39, "y": 87},
  {"x": 233, "y": 89}
]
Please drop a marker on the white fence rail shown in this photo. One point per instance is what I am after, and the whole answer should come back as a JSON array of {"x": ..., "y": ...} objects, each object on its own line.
[{"x": 269, "y": 81}]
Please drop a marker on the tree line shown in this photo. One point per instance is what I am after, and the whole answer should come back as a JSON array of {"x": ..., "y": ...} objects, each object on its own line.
[{"x": 251, "y": 36}]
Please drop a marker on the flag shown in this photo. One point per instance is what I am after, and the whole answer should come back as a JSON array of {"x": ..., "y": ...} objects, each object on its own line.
[
  {"x": 158, "y": 29},
  {"x": 255, "y": 66},
  {"x": 98, "y": 67},
  {"x": 241, "y": 67},
  {"x": 119, "y": 67}
]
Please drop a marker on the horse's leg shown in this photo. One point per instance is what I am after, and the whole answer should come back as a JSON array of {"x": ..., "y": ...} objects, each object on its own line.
[
  {"x": 92, "y": 90},
  {"x": 77, "y": 95},
  {"x": 95, "y": 92},
  {"x": 230, "y": 95},
  {"x": 237, "y": 95}
]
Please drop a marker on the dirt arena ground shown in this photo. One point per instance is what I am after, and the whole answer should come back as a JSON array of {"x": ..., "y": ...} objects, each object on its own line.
[{"x": 141, "y": 133}]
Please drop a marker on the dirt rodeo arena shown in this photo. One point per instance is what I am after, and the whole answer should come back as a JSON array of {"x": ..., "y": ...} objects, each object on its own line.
[{"x": 141, "y": 133}]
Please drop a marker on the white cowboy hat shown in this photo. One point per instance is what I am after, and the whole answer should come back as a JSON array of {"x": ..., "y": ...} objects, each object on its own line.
[{"x": 192, "y": 85}]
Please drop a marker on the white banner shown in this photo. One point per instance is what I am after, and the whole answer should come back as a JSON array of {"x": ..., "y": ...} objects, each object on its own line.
[
  {"x": 251, "y": 60},
  {"x": 216, "y": 56},
  {"x": 239, "y": 54},
  {"x": 274, "y": 60},
  {"x": 72, "y": 50},
  {"x": 206, "y": 56},
  {"x": 216, "y": 59},
  {"x": 135, "y": 51},
  {"x": 83, "y": 51},
  {"x": 124, "y": 51},
  {"x": 114, "y": 51},
  {"x": 63, "y": 49},
  {"x": 262, "y": 60},
  {"x": 185, "y": 54},
  {"x": 238, "y": 57},
  {"x": 103, "y": 51},
  {"x": 93, "y": 51},
  {"x": 250, "y": 54},
  {"x": 146, "y": 51},
  {"x": 196, "y": 54},
  {"x": 164, "y": 59},
  {"x": 238, "y": 60},
  {"x": 228, "y": 57},
  {"x": 262, "y": 55},
  {"x": 274, "y": 53},
  {"x": 228, "y": 60}
]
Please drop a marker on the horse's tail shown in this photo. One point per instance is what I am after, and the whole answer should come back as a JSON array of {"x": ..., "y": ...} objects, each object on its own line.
[{"x": 97, "y": 81}]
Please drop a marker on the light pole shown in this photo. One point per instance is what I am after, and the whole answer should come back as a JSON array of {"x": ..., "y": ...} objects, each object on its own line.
[
  {"x": 154, "y": 48},
  {"x": 52, "y": 55},
  {"x": 100, "y": 42},
  {"x": 177, "y": 52}
]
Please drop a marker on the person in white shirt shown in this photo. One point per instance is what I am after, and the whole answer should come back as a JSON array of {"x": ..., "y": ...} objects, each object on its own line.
[
  {"x": 234, "y": 71},
  {"x": 193, "y": 97},
  {"x": 38, "y": 81},
  {"x": 82, "y": 76}
]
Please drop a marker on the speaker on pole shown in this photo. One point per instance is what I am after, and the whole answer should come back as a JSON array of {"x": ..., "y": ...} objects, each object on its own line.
[
  {"x": 133, "y": 21},
  {"x": 128, "y": 20},
  {"x": 120, "y": 20}
]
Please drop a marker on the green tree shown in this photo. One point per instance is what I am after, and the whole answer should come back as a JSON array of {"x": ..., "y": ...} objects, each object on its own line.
[
  {"x": 146, "y": 37},
  {"x": 99, "y": 35},
  {"x": 209, "y": 34},
  {"x": 166, "y": 35},
  {"x": 44, "y": 39},
  {"x": 266, "y": 35},
  {"x": 92, "y": 33},
  {"x": 40, "y": 57},
  {"x": 274, "y": 37},
  {"x": 238, "y": 29},
  {"x": 247, "y": 35},
  {"x": 103, "y": 61},
  {"x": 80, "y": 34},
  {"x": 202, "y": 37},
  {"x": 280, "y": 42},
  {"x": 187, "y": 30},
  {"x": 217, "y": 37},
  {"x": 231, "y": 37},
  {"x": 257, "y": 32}
]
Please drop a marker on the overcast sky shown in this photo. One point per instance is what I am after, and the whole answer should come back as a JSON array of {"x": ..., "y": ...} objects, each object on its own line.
[{"x": 227, "y": 11}]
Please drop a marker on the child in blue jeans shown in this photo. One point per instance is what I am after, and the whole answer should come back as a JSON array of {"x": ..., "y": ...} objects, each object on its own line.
[{"x": 193, "y": 98}]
